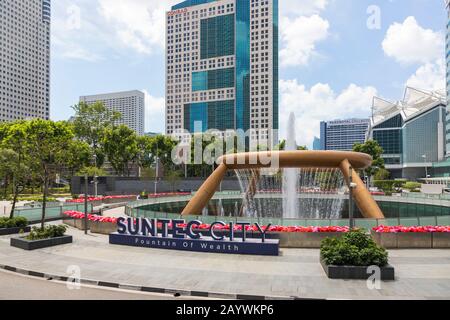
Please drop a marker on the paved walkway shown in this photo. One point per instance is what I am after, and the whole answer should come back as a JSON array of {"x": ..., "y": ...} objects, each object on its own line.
[{"x": 421, "y": 274}]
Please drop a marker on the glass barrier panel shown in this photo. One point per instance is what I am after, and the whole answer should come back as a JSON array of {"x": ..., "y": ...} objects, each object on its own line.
[
  {"x": 365, "y": 223},
  {"x": 427, "y": 221},
  {"x": 443, "y": 221},
  {"x": 409, "y": 222}
]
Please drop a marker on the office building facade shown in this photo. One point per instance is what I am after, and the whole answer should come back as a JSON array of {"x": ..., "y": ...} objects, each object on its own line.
[
  {"x": 411, "y": 132},
  {"x": 222, "y": 67},
  {"x": 24, "y": 59},
  {"x": 130, "y": 104},
  {"x": 341, "y": 135},
  {"x": 447, "y": 57}
]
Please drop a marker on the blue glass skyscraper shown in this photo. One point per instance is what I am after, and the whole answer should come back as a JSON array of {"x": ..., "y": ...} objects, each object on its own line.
[{"x": 222, "y": 67}]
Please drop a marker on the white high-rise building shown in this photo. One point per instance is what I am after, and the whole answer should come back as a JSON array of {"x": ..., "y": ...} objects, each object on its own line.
[
  {"x": 24, "y": 59},
  {"x": 222, "y": 67},
  {"x": 130, "y": 104}
]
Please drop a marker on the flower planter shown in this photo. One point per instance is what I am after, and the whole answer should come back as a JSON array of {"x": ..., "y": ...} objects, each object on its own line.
[
  {"x": 411, "y": 240},
  {"x": 77, "y": 223},
  {"x": 25, "y": 244},
  {"x": 69, "y": 222},
  {"x": 8, "y": 231},
  {"x": 441, "y": 240},
  {"x": 103, "y": 227},
  {"x": 306, "y": 240},
  {"x": 356, "y": 272},
  {"x": 118, "y": 200},
  {"x": 385, "y": 240}
]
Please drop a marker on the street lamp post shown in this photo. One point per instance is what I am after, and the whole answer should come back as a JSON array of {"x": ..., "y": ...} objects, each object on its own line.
[
  {"x": 85, "y": 203},
  {"x": 426, "y": 167},
  {"x": 351, "y": 186},
  {"x": 156, "y": 174},
  {"x": 95, "y": 177}
]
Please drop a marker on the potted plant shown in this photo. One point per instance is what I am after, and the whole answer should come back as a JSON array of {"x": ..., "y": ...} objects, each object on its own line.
[
  {"x": 13, "y": 225},
  {"x": 350, "y": 256},
  {"x": 39, "y": 238}
]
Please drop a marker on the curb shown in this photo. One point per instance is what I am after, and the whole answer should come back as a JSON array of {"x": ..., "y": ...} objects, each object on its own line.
[{"x": 173, "y": 292}]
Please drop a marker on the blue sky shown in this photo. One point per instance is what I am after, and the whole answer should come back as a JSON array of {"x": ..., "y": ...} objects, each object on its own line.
[{"x": 331, "y": 62}]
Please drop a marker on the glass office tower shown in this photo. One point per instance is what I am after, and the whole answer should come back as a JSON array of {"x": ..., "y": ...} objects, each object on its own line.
[{"x": 222, "y": 67}]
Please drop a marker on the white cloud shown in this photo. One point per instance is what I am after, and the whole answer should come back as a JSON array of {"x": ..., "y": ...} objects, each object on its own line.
[
  {"x": 300, "y": 36},
  {"x": 320, "y": 103},
  {"x": 408, "y": 43},
  {"x": 138, "y": 24},
  {"x": 303, "y": 7},
  {"x": 430, "y": 76},
  {"x": 154, "y": 113}
]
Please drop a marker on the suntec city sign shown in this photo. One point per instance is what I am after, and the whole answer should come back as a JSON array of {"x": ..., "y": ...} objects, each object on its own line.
[{"x": 156, "y": 233}]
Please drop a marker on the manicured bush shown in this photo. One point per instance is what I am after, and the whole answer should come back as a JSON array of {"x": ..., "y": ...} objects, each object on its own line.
[
  {"x": 35, "y": 199},
  {"x": 412, "y": 186},
  {"x": 47, "y": 232},
  {"x": 354, "y": 248},
  {"x": 16, "y": 222},
  {"x": 389, "y": 186}
]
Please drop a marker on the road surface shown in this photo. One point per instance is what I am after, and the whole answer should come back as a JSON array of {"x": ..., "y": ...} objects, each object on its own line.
[{"x": 15, "y": 286}]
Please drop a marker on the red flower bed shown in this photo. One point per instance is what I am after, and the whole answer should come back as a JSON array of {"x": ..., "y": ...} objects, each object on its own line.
[
  {"x": 91, "y": 199},
  {"x": 402, "y": 229},
  {"x": 92, "y": 217}
]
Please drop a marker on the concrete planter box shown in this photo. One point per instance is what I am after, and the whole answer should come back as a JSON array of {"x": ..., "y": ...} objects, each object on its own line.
[
  {"x": 69, "y": 222},
  {"x": 119, "y": 200},
  {"x": 25, "y": 244},
  {"x": 385, "y": 240},
  {"x": 441, "y": 240},
  {"x": 356, "y": 272},
  {"x": 77, "y": 223},
  {"x": 8, "y": 231},
  {"x": 103, "y": 227},
  {"x": 412, "y": 240}
]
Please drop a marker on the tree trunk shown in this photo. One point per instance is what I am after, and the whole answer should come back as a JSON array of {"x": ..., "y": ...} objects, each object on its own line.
[{"x": 16, "y": 194}]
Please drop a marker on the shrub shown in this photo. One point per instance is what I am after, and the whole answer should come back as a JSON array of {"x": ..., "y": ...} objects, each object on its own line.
[
  {"x": 354, "y": 248},
  {"x": 389, "y": 185},
  {"x": 47, "y": 232},
  {"x": 412, "y": 186},
  {"x": 35, "y": 199},
  {"x": 16, "y": 222}
]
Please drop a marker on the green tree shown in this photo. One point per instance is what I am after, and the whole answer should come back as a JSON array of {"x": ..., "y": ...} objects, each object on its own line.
[
  {"x": 90, "y": 123},
  {"x": 47, "y": 143},
  {"x": 372, "y": 148},
  {"x": 12, "y": 166},
  {"x": 15, "y": 158},
  {"x": 92, "y": 172},
  {"x": 173, "y": 177},
  {"x": 78, "y": 156},
  {"x": 382, "y": 174},
  {"x": 144, "y": 149},
  {"x": 282, "y": 146},
  {"x": 121, "y": 148},
  {"x": 160, "y": 147}
]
